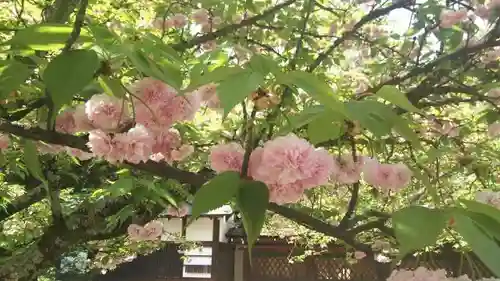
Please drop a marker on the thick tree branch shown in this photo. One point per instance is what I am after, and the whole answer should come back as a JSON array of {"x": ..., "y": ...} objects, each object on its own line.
[
  {"x": 318, "y": 225},
  {"x": 22, "y": 202},
  {"x": 184, "y": 177},
  {"x": 230, "y": 28}
]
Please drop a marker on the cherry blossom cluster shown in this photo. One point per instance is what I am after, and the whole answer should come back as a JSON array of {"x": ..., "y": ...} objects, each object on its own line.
[
  {"x": 289, "y": 165},
  {"x": 449, "y": 18},
  {"x": 157, "y": 106},
  {"x": 422, "y": 273},
  {"x": 149, "y": 232},
  {"x": 489, "y": 197},
  {"x": 202, "y": 17},
  {"x": 4, "y": 141},
  {"x": 181, "y": 211}
]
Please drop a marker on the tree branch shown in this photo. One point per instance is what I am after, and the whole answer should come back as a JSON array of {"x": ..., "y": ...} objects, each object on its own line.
[
  {"x": 369, "y": 17},
  {"x": 230, "y": 28}
]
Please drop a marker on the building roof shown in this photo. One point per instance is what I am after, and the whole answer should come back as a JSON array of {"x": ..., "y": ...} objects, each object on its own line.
[{"x": 219, "y": 212}]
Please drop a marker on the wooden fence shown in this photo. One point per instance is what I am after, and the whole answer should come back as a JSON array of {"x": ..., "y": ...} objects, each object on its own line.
[{"x": 269, "y": 265}]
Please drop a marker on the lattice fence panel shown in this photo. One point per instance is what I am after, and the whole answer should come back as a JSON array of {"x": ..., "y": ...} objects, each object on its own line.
[
  {"x": 332, "y": 269},
  {"x": 271, "y": 267}
]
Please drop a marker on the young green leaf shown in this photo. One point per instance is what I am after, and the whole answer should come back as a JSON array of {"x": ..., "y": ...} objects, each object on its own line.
[
  {"x": 484, "y": 246},
  {"x": 263, "y": 64},
  {"x": 237, "y": 87},
  {"x": 12, "y": 75},
  {"x": 112, "y": 86},
  {"x": 69, "y": 73},
  {"x": 325, "y": 128},
  {"x": 302, "y": 118},
  {"x": 408, "y": 225},
  {"x": 482, "y": 208},
  {"x": 215, "y": 193},
  {"x": 253, "y": 200},
  {"x": 215, "y": 76},
  {"x": 47, "y": 36},
  {"x": 32, "y": 162},
  {"x": 315, "y": 87},
  {"x": 396, "y": 97}
]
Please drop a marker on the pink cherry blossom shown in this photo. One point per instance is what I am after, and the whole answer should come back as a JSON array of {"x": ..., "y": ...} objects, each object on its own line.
[
  {"x": 450, "y": 18},
  {"x": 180, "y": 212},
  {"x": 482, "y": 11},
  {"x": 359, "y": 255},
  {"x": 182, "y": 152},
  {"x": 79, "y": 154},
  {"x": 179, "y": 20},
  {"x": 346, "y": 170},
  {"x": 4, "y": 141},
  {"x": 289, "y": 165},
  {"x": 111, "y": 148},
  {"x": 106, "y": 112},
  {"x": 421, "y": 273},
  {"x": 208, "y": 94},
  {"x": 153, "y": 229},
  {"x": 286, "y": 160},
  {"x": 285, "y": 194},
  {"x": 164, "y": 143},
  {"x": 226, "y": 157},
  {"x": 201, "y": 16},
  {"x": 65, "y": 121},
  {"x": 494, "y": 130},
  {"x": 152, "y": 91},
  {"x": 401, "y": 176},
  {"x": 386, "y": 176},
  {"x": 158, "y": 105},
  {"x": 136, "y": 232},
  {"x": 139, "y": 143}
]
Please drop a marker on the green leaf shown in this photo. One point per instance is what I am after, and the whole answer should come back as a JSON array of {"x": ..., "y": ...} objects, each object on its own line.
[
  {"x": 47, "y": 36},
  {"x": 482, "y": 208},
  {"x": 253, "y": 200},
  {"x": 368, "y": 114},
  {"x": 409, "y": 224},
  {"x": 32, "y": 162},
  {"x": 237, "y": 87},
  {"x": 112, "y": 87},
  {"x": 69, "y": 73},
  {"x": 215, "y": 193},
  {"x": 217, "y": 75},
  {"x": 325, "y": 128},
  {"x": 303, "y": 118},
  {"x": 123, "y": 186},
  {"x": 264, "y": 64},
  {"x": 12, "y": 75},
  {"x": 402, "y": 126},
  {"x": 315, "y": 87},
  {"x": 396, "y": 97},
  {"x": 483, "y": 246}
]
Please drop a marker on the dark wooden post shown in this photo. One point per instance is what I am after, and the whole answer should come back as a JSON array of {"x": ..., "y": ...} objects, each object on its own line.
[
  {"x": 183, "y": 227},
  {"x": 215, "y": 249}
]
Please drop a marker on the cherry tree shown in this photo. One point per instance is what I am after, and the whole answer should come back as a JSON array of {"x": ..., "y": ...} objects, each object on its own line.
[{"x": 316, "y": 111}]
